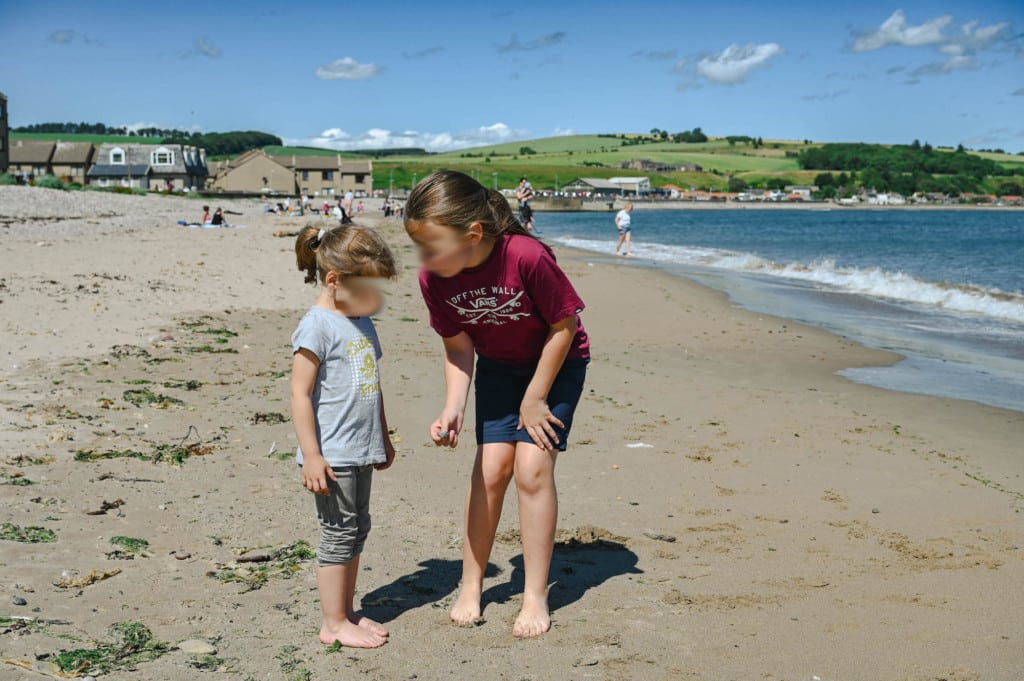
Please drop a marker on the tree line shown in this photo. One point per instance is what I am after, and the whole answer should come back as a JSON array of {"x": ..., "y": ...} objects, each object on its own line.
[
  {"x": 903, "y": 168},
  {"x": 215, "y": 143}
]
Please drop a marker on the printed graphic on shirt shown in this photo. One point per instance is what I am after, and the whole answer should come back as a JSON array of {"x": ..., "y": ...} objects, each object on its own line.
[
  {"x": 365, "y": 378},
  {"x": 495, "y": 305}
]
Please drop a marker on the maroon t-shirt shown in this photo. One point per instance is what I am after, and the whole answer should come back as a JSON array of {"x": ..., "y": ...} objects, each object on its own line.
[{"x": 507, "y": 303}]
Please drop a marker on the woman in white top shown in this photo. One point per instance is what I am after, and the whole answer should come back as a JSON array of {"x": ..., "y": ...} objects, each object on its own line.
[{"x": 622, "y": 221}]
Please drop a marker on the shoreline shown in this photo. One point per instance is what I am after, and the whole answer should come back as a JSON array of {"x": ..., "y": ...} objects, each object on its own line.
[
  {"x": 730, "y": 507},
  {"x": 754, "y": 205}
]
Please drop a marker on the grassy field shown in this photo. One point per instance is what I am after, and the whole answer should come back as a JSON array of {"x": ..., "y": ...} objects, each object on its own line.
[{"x": 555, "y": 161}]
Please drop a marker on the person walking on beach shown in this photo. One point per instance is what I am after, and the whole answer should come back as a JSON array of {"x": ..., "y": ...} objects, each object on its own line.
[
  {"x": 622, "y": 222},
  {"x": 494, "y": 290},
  {"x": 338, "y": 413},
  {"x": 525, "y": 194}
]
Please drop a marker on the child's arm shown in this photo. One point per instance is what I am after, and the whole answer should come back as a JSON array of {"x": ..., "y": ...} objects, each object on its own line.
[
  {"x": 315, "y": 469},
  {"x": 534, "y": 414},
  {"x": 389, "y": 448},
  {"x": 458, "y": 374}
]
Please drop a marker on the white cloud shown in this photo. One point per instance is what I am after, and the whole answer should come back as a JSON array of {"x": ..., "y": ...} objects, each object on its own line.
[
  {"x": 655, "y": 55},
  {"x": 958, "y": 49},
  {"x": 381, "y": 138},
  {"x": 546, "y": 40},
  {"x": 895, "y": 31},
  {"x": 347, "y": 69},
  {"x": 563, "y": 132},
  {"x": 206, "y": 48},
  {"x": 824, "y": 96},
  {"x": 69, "y": 35},
  {"x": 425, "y": 52},
  {"x": 201, "y": 47},
  {"x": 735, "y": 63}
]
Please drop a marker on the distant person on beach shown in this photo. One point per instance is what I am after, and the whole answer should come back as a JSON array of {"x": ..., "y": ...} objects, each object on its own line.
[
  {"x": 349, "y": 197},
  {"x": 525, "y": 194},
  {"x": 359, "y": 207},
  {"x": 338, "y": 413},
  {"x": 622, "y": 223},
  {"x": 206, "y": 216},
  {"x": 495, "y": 291},
  {"x": 218, "y": 217}
]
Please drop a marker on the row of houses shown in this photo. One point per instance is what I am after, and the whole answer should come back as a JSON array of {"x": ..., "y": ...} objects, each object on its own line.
[
  {"x": 255, "y": 171},
  {"x": 163, "y": 167},
  {"x": 179, "y": 167}
]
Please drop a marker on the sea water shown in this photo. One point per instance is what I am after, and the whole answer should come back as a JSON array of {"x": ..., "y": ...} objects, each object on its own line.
[{"x": 943, "y": 288}]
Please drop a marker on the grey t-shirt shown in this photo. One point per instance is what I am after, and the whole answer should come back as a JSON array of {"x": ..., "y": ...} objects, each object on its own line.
[{"x": 346, "y": 398}]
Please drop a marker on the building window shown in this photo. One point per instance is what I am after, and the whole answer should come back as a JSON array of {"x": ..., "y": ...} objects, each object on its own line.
[
  {"x": 360, "y": 178},
  {"x": 305, "y": 176},
  {"x": 162, "y": 157},
  {"x": 328, "y": 175},
  {"x": 117, "y": 157}
]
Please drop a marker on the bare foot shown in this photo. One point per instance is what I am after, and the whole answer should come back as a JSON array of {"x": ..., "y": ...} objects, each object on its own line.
[
  {"x": 368, "y": 624},
  {"x": 466, "y": 609},
  {"x": 351, "y": 635},
  {"x": 533, "y": 620}
]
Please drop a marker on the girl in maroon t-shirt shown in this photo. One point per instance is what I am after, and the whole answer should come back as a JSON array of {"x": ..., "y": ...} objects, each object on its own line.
[{"x": 495, "y": 291}]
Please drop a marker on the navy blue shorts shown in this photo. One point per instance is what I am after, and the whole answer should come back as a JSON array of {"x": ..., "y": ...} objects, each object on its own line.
[{"x": 500, "y": 389}]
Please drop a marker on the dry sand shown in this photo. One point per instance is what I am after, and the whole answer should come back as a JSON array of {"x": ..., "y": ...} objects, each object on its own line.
[{"x": 778, "y": 521}]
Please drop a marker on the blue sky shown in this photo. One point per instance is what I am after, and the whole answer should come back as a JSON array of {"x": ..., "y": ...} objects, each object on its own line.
[{"x": 451, "y": 75}]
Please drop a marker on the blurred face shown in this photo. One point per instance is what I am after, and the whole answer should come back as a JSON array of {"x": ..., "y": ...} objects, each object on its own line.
[
  {"x": 355, "y": 296},
  {"x": 443, "y": 250}
]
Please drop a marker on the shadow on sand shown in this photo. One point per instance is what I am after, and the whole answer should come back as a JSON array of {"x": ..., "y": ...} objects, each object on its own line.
[{"x": 576, "y": 567}]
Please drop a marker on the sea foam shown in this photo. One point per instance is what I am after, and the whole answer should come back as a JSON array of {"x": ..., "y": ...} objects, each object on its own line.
[{"x": 875, "y": 282}]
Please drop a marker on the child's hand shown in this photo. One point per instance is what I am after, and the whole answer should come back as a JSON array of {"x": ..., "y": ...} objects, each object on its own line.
[
  {"x": 445, "y": 430},
  {"x": 315, "y": 471},
  {"x": 535, "y": 416},
  {"x": 389, "y": 451}
]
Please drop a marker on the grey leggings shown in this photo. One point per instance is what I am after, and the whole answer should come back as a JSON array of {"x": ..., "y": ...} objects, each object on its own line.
[{"x": 344, "y": 515}]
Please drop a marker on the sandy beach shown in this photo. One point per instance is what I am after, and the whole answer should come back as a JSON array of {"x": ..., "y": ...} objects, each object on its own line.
[{"x": 730, "y": 508}]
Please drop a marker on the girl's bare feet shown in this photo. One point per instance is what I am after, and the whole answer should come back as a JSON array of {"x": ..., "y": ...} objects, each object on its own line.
[
  {"x": 368, "y": 624},
  {"x": 533, "y": 620},
  {"x": 350, "y": 635},
  {"x": 466, "y": 609}
]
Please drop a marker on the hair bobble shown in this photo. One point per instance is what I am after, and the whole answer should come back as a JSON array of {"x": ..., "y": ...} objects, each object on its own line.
[{"x": 319, "y": 238}]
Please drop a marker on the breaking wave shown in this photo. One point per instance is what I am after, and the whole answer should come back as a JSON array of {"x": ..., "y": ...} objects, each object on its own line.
[{"x": 874, "y": 282}]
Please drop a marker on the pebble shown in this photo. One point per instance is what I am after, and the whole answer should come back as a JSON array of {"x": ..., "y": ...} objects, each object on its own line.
[
  {"x": 182, "y": 555},
  {"x": 195, "y": 646},
  {"x": 657, "y": 536},
  {"x": 875, "y": 510},
  {"x": 18, "y": 600}
]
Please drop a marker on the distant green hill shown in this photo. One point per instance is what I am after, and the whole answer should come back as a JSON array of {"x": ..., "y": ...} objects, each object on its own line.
[{"x": 552, "y": 162}]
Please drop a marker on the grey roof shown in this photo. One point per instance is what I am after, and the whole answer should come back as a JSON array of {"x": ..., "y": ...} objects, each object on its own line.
[
  {"x": 595, "y": 182},
  {"x": 107, "y": 170},
  {"x": 72, "y": 152},
  {"x": 30, "y": 151},
  {"x": 187, "y": 159},
  {"x": 324, "y": 163}
]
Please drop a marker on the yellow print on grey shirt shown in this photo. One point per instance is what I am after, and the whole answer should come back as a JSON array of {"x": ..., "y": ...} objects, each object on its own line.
[{"x": 365, "y": 378}]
